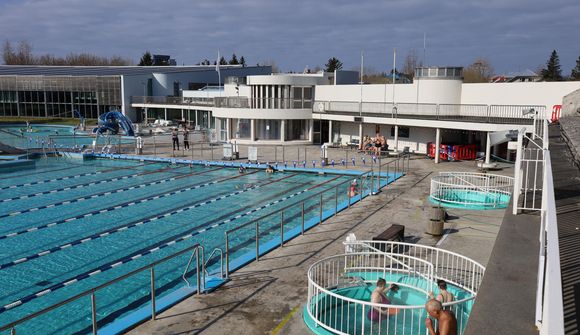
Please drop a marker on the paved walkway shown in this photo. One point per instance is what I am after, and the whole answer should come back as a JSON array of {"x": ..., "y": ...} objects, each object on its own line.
[{"x": 267, "y": 297}]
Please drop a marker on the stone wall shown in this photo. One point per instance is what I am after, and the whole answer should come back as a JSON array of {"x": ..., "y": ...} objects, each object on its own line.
[{"x": 571, "y": 104}]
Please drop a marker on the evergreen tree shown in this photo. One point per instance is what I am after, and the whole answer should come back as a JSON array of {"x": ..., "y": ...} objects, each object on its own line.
[
  {"x": 223, "y": 61},
  {"x": 146, "y": 59},
  {"x": 333, "y": 64},
  {"x": 234, "y": 60},
  {"x": 552, "y": 72},
  {"x": 242, "y": 61},
  {"x": 576, "y": 71}
]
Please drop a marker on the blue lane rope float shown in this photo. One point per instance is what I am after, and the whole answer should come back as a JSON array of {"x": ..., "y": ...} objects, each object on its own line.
[
  {"x": 118, "y": 206},
  {"x": 101, "y": 194}
]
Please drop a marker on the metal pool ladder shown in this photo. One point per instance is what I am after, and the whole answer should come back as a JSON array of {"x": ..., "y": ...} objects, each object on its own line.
[{"x": 198, "y": 253}]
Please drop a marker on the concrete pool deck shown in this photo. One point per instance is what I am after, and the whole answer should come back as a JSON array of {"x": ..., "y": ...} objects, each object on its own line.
[{"x": 267, "y": 297}]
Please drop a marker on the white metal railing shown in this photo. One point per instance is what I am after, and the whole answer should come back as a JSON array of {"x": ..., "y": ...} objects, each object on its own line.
[
  {"x": 529, "y": 167},
  {"x": 329, "y": 308},
  {"x": 502, "y": 114},
  {"x": 456, "y": 187},
  {"x": 549, "y": 307}
]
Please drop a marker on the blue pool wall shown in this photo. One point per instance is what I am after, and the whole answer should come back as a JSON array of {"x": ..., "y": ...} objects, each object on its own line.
[{"x": 165, "y": 302}]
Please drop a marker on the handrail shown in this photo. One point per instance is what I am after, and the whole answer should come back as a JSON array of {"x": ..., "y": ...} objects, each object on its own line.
[
  {"x": 93, "y": 290},
  {"x": 195, "y": 252},
  {"x": 345, "y": 298},
  {"x": 387, "y": 254},
  {"x": 221, "y": 253},
  {"x": 479, "y": 266}
]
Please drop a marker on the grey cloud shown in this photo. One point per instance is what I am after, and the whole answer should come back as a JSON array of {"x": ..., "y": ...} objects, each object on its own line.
[{"x": 514, "y": 34}]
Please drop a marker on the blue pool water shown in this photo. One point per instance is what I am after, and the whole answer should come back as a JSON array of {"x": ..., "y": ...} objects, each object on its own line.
[
  {"x": 471, "y": 199},
  {"x": 333, "y": 312},
  {"x": 70, "y": 224},
  {"x": 60, "y": 136}
]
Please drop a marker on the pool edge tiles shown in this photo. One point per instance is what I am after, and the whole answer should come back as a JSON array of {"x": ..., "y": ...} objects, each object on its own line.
[{"x": 353, "y": 172}]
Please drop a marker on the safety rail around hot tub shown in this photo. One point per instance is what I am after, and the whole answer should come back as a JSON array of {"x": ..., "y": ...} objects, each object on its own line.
[
  {"x": 468, "y": 188},
  {"x": 413, "y": 266}
]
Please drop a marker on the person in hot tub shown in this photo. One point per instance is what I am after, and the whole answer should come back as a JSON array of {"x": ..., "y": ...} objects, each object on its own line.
[{"x": 379, "y": 296}]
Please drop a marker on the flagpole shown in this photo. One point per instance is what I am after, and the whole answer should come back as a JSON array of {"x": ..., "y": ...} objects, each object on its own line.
[{"x": 217, "y": 68}]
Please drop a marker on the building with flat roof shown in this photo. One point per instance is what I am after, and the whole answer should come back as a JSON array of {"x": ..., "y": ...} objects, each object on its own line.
[{"x": 59, "y": 91}]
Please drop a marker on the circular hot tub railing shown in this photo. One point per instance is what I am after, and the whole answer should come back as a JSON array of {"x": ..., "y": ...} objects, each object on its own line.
[
  {"x": 330, "y": 310},
  {"x": 472, "y": 189}
]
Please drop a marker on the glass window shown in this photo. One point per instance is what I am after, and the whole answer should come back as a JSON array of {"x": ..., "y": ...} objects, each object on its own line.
[
  {"x": 241, "y": 129},
  {"x": 268, "y": 129},
  {"x": 296, "y": 130}
]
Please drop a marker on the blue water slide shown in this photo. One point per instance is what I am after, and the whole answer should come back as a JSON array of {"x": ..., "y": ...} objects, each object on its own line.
[{"x": 112, "y": 122}]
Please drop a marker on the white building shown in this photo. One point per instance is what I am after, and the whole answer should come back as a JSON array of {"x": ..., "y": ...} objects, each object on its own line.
[{"x": 334, "y": 108}]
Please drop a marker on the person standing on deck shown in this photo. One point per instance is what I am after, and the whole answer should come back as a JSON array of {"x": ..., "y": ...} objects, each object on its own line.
[
  {"x": 185, "y": 138},
  {"x": 175, "y": 139}
]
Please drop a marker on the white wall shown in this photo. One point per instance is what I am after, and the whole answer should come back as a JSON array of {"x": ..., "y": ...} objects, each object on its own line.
[
  {"x": 528, "y": 93},
  {"x": 438, "y": 91}
]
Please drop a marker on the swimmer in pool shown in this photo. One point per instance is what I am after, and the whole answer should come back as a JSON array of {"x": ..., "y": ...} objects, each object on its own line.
[
  {"x": 444, "y": 295},
  {"x": 270, "y": 169}
]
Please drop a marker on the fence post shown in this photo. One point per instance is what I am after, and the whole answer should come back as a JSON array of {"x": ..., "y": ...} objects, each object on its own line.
[
  {"x": 283, "y": 155},
  {"x": 94, "y": 312},
  {"x": 320, "y": 208},
  {"x": 257, "y": 241},
  {"x": 302, "y": 230},
  {"x": 282, "y": 228},
  {"x": 198, "y": 274},
  {"x": 153, "y": 305},
  {"x": 336, "y": 200},
  {"x": 227, "y": 255}
]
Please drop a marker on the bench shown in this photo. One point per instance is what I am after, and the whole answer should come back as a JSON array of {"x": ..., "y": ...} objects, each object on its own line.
[{"x": 395, "y": 232}]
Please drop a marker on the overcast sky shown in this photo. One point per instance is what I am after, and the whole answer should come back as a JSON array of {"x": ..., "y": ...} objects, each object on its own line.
[{"x": 512, "y": 34}]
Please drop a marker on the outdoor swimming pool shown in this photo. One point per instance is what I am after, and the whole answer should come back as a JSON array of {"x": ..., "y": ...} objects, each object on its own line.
[
  {"x": 38, "y": 136},
  {"x": 69, "y": 225}
]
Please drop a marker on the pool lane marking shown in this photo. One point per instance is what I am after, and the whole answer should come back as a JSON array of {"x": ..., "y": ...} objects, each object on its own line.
[
  {"x": 72, "y": 187},
  {"x": 74, "y": 166},
  {"x": 117, "y": 206},
  {"x": 138, "y": 223},
  {"x": 131, "y": 257},
  {"x": 46, "y": 181},
  {"x": 101, "y": 194}
]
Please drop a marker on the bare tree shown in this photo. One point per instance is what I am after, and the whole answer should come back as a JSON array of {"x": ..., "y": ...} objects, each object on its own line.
[
  {"x": 23, "y": 56},
  {"x": 480, "y": 71},
  {"x": 411, "y": 63}
]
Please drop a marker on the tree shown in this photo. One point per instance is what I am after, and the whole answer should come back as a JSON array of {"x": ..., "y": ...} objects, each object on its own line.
[
  {"x": 146, "y": 59},
  {"x": 575, "y": 75},
  {"x": 223, "y": 61},
  {"x": 552, "y": 72},
  {"x": 333, "y": 64},
  {"x": 480, "y": 71},
  {"x": 234, "y": 60},
  {"x": 242, "y": 61},
  {"x": 411, "y": 63}
]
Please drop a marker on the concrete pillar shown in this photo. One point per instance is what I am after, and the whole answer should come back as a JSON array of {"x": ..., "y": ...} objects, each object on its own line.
[
  {"x": 437, "y": 144},
  {"x": 228, "y": 127},
  {"x": 282, "y": 130},
  {"x": 330, "y": 131},
  {"x": 396, "y": 138},
  {"x": 360, "y": 133},
  {"x": 253, "y": 130},
  {"x": 311, "y": 131},
  {"x": 487, "y": 148},
  {"x": 165, "y": 113}
]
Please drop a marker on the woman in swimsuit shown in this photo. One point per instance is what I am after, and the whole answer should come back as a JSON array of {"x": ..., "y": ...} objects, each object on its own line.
[{"x": 379, "y": 296}]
